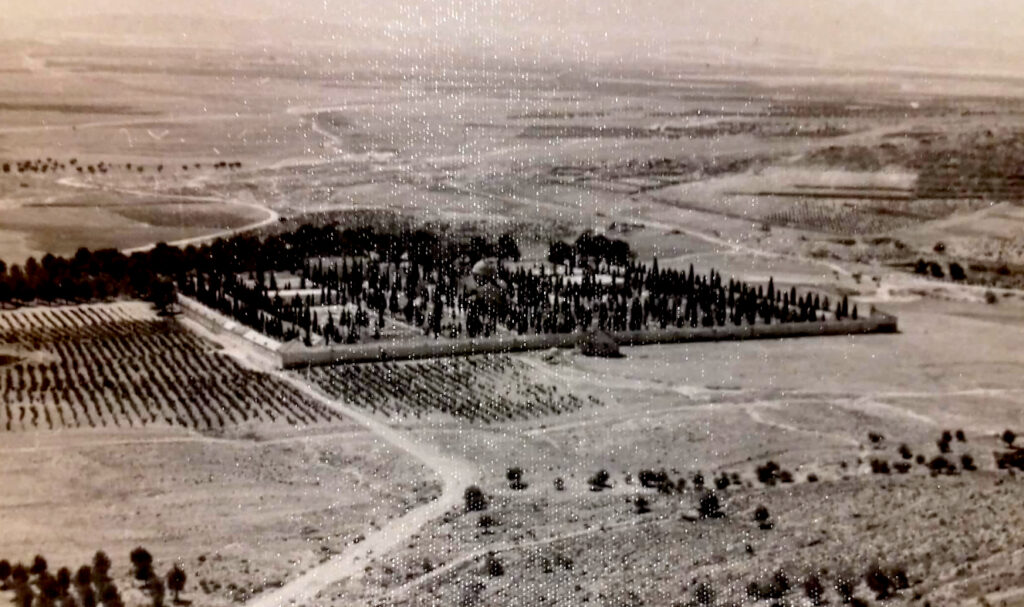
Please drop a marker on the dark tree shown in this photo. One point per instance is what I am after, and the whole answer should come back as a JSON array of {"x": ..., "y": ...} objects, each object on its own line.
[
  {"x": 38, "y": 565},
  {"x": 599, "y": 480},
  {"x": 507, "y": 247},
  {"x": 142, "y": 561},
  {"x": 560, "y": 253},
  {"x": 494, "y": 566},
  {"x": 814, "y": 589},
  {"x": 515, "y": 478},
  {"x": 475, "y": 499},
  {"x": 710, "y": 506},
  {"x": 1008, "y": 437},
  {"x": 176, "y": 581}
]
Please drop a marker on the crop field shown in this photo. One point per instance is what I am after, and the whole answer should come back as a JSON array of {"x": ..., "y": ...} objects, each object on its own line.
[
  {"x": 120, "y": 366},
  {"x": 480, "y": 389}
]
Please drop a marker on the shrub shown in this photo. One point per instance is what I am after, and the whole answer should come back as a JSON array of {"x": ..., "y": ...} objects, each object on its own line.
[
  {"x": 761, "y": 514},
  {"x": 902, "y": 467},
  {"x": 786, "y": 476},
  {"x": 768, "y": 473},
  {"x": 905, "y": 452},
  {"x": 990, "y": 298},
  {"x": 845, "y": 585},
  {"x": 762, "y": 517},
  {"x": 884, "y": 582},
  {"x": 875, "y": 437},
  {"x": 652, "y": 479},
  {"x": 919, "y": 459},
  {"x": 704, "y": 594},
  {"x": 774, "y": 589},
  {"x": 698, "y": 481},
  {"x": 1010, "y": 459},
  {"x": 1008, "y": 437},
  {"x": 475, "y": 500},
  {"x": 960, "y": 436},
  {"x": 879, "y": 466},
  {"x": 142, "y": 561},
  {"x": 967, "y": 463},
  {"x": 943, "y": 446},
  {"x": 111, "y": 597},
  {"x": 176, "y": 579},
  {"x": 494, "y": 566},
  {"x": 599, "y": 481},
  {"x": 878, "y": 581},
  {"x": 722, "y": 482},
  {"x": 5, "y": 571},
  {"x": 643, "y": 506},
  {"x": 64, "y": 579},
  {"x": 812, "y": 478},
  {"x": 486, "y": 521},
  {"x": 38, "y": 565},
  {"x": 940, "y": 464},
  {"x": 559, "y": 484},
  {"x": 710, "y": 506},
  {"x": 515, "y": 478},
  {"x": 814, "y": 589}
]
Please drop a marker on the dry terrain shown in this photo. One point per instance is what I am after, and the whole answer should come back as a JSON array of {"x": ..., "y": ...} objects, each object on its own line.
[{"x": 121, "y": 428}]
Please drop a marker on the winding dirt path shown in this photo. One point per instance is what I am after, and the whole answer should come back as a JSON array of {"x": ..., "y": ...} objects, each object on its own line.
[{"x": 455, "y": 475}]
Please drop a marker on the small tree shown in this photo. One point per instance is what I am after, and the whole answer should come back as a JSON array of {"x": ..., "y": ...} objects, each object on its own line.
[
  {"x": 475, "y": 500},
  {"x": 762, "y": 518},
  {"x": 5, "y": 573},
  {"x": 643, "y": 505},
  {"x": 64, "y": 580},
  {"x": 38, "y": 565},
  {"x": 599, "y": 481},
  {"x": 515, "y": 478},
  {"x": 814, "y": 590},
  {"x": 845, "y": 586},
  {"x": 878, "y": 581},
  {"x": 494, "y": 566},
  {"x": 176, "y": 579},
  {"x": 710, "y": 506},
  {"x": 704, "y": 594},
  {"x": 1008, "y": 437},
  {"x": 142, "y": 561}
]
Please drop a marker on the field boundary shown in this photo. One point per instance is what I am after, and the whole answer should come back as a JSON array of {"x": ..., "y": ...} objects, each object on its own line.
[
  {"x": 214, "y": 321},
  {"x": 295, "y": 355}
]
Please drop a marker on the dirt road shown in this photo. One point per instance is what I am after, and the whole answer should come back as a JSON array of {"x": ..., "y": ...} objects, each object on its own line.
[
  {"x": 272, "y": 215},
  {"x": 455, "y": 476}
]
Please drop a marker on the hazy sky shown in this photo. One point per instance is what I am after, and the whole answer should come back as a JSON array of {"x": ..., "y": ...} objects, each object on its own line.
[{"x": 961, "y": 31}]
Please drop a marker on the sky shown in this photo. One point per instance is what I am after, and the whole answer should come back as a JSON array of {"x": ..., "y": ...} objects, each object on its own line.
[{"x": 963, "y": 33}]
